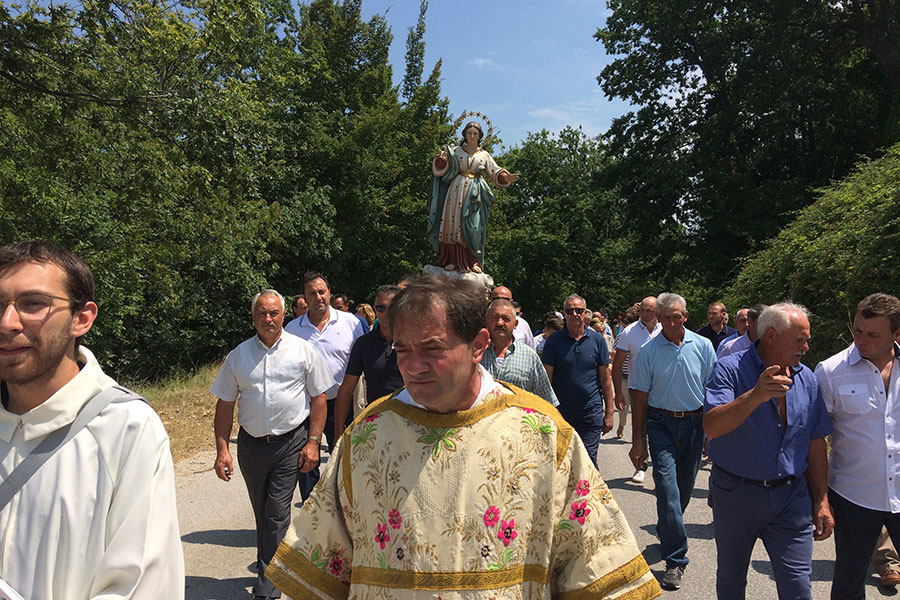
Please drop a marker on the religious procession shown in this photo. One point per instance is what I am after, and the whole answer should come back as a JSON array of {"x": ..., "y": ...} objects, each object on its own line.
[{"x": 460, "y": 442}]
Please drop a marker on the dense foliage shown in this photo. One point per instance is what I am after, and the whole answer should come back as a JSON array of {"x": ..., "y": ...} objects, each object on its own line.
[
  {"x": 194, "y": 152},
  {"x": 741, "y": 110},
  {"x": 836, "y": 251}
]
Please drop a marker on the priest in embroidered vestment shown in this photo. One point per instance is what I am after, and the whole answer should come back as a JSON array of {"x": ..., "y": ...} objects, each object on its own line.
[{"x": 458, "y": 486}]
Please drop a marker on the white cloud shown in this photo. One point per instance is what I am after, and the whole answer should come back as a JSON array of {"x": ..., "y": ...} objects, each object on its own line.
[{"x": 482, "y": 63}]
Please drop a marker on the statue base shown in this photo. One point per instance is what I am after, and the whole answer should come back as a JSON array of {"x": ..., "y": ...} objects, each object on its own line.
[{"x": 482, "y": 278}]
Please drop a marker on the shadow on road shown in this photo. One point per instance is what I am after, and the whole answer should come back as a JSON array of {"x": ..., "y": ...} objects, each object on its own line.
[
  {"x": 625, "y": 483},
  {"x": 207, "y": 588},
  {"x": 233, "y": 538}
]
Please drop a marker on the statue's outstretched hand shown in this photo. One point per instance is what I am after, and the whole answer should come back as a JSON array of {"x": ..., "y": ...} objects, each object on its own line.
[{"x": 512, "y": 177}]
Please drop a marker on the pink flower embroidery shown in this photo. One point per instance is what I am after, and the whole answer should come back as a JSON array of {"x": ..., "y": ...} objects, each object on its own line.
[
  {"x": 579, "y": 512},
  {"x": 507, "y": 532},
  {"x": 394, "y": 518},
  {"x": 382, "y": 536},
  {"x": 583, "y": 488},
  {"x": 529, "y": 410},
  {"x": 371, "y": 418},
  {"x": 336, "y": 565},
  {"x": 491, "y": 516}
]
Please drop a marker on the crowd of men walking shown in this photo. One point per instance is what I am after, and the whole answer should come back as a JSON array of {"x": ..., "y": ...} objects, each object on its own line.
[{"x": 461, "y": 469}]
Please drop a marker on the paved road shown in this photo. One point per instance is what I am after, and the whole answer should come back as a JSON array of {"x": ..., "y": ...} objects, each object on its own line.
[
  {"x": 218, "y": 534},
  {"x": 639, "y": 505}
]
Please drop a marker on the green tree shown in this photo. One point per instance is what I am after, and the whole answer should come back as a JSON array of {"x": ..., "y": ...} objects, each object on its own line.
[
  {"x": 558, "y": 231},
  {"x": 834, "y": 253},
  {"x": 741, "y": 111}
]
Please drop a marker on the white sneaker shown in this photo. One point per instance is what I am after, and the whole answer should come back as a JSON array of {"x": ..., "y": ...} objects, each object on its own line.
[{"x": 639, "y": 476}]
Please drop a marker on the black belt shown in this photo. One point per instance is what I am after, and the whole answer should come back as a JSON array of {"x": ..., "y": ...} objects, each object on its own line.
[
  {"x": 678, "y": 414},
  {"x": 761, "y": 482},
  {"x": 275, "y": 438}
]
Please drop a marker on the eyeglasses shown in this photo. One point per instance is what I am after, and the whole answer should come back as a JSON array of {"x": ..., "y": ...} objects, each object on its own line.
[
  {"x": 381, "y": 307},
  {"x": 573, "y": 311},
  {"x": 500, "y": 298},
  {"x": 32, "y": 307}
]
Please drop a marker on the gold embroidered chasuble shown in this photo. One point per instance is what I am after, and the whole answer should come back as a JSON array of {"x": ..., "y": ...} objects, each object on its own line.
[{"x": 499, "y": 501}]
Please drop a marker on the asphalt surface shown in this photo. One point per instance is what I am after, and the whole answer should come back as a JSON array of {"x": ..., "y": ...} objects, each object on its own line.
[{"x": 218, "y": 533}]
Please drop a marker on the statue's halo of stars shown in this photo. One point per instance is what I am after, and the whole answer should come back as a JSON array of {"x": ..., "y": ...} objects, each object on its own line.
[{"x": 480, "y": 116}]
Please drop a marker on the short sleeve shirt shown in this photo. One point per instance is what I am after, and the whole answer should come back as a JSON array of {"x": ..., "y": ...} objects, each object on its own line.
[
  {"x": 761, "y": 447},
  {"x": 375, "y": 357},
  {"x": 334, "y": 342},
  {"x": 632, "y": 338},
  {"x": 576, "y": 380},
  {"x": 673, "y": 375},
  {"x": 273, "y": 384},
  {"x": 864, "y": 464}
]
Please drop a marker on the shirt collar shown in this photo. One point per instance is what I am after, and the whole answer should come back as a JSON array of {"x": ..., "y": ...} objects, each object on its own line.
[
  {"x": 61, "y": 408},
  {"x": 644, "y": 327},
  {"x": 262, "y": 344},
  {"x": 509, "y": 349},
  {"x": 489, "y": 390},
  {"x": 758, "y": 361},
  {"x": 854, "y": 356}
]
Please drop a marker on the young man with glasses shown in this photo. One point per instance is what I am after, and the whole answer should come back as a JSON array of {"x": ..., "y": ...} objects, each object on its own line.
[
  {"x": 372, "y": 355},
  {"x": 98, "y": 519},
  {"x": 576, "y": 359}
]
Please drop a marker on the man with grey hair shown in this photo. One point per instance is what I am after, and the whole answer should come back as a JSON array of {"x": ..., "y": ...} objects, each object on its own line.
[
  {"x": 280, "y": 380},
  {"x": 667, "y": 398},
  {"x": 511, "y": 360},
  {"x": 576, "y": 359},
  {"x": 739, "y": 343},
  {"x": 767, "y": 423}
]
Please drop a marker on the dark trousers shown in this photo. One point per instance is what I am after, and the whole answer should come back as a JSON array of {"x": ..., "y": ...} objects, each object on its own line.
[
  {"x": 781, "y": 516},
  {"x": 270, "y": 469},
  {"x": 856, "y": 530},
  {"x": 589, "y": 428},
  {"x": 307, "y": 481},
  {"x": 676, "y": 444}
]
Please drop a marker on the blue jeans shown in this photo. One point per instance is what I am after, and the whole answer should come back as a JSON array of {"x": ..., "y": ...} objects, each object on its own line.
[
  {"x": 589, "y": 428},
  {"x": 781, "y": 516},
  {"x": 856, "y": 530},
  {"x": 676, "y": 445}
]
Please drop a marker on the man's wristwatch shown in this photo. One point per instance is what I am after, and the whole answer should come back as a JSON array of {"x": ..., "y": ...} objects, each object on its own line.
[{"x": 316, "y": 438}]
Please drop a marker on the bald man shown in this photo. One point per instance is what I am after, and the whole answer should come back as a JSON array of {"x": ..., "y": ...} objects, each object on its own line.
[{"x": 522, "y": 332}]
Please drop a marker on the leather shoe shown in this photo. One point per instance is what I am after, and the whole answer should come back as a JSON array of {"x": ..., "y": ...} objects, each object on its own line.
[{"x": 890, "y": 578}]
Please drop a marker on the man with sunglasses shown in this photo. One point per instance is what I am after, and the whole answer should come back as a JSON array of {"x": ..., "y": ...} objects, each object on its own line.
[
  {"x": 98, "y": 518},
  {"x": 373, "y": 355},
  {"x": 576, "y": 359}
]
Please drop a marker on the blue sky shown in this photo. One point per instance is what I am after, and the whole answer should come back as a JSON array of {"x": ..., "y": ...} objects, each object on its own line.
[{"x": 528, "y": 65}]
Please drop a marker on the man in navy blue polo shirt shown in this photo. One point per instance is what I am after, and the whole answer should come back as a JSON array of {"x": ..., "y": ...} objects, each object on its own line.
[
  {"x": 372, "y": 355},
  {"x": 577, "y": 358},
  {"x": 667, "y": 398},
  {"x": 767, "y": 423}
]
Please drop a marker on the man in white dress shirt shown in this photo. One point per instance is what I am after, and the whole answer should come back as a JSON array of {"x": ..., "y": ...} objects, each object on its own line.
[
  {"x": 98, "y": 518},
  {"x": 861, "y": 388},
  {"x": 280, "y": 380}
]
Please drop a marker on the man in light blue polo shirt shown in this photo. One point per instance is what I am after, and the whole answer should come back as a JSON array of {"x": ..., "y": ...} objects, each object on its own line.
[{"x": 667, "y": 388}]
